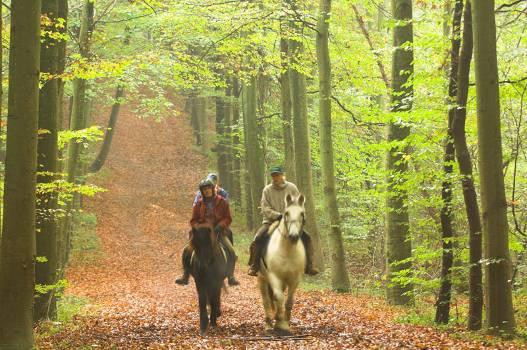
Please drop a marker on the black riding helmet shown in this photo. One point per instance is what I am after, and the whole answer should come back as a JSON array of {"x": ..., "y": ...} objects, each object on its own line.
[{"x": 206, "y": 183}]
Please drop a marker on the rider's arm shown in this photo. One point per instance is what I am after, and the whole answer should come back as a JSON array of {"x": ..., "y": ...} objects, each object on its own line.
[
  {"x": 267, "y": 211},
  {"x": 195, "y": 215},
  {"x": 226, "y": 218}
]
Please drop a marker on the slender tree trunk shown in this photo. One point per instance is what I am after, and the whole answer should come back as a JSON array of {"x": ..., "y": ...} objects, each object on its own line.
[
  {"x": 46, "y": 233},
  {"x": 203, "y": 123},
  {"x": 447, "y": 231},
  {"x": 247, "y": 192},
  {"x": 499, "y": 310},
  {"x": 2, "y": 154},
  {"x": 221, "y": 136},
  {"x": 194, "y": 118},
  {"x": 235, "y": 189},
  {"x": 17, "y": 249},
  {"x": 63, "y": 14},
  {"x": 107, "y": 143},
  {"x": 465, "y": 168},
  {"x": 77, "y": 119},
  {"x": 254, "y": 154},
  {"x": 339, "y": 275},
  {"x": 398, "y": 243},
  {"x": 304, "y": 175},
  {"x": 286, "y": 105},
  {"x": 227, "y": 132}
]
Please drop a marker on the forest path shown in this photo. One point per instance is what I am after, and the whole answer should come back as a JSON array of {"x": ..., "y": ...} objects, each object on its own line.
[{"x": 151, "y": 178}]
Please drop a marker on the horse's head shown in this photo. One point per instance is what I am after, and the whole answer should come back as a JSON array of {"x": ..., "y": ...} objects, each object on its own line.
[
  {"x": 203, "y": 240},
  {"x": 293, "y": 217}
]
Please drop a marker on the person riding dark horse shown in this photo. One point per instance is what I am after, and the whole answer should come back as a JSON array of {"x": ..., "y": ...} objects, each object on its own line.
[
  {"x": 214, "y": 209},
  {"x": 273, "y": 205}
]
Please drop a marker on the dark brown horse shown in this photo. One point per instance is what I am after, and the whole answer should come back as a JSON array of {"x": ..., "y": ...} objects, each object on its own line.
[{"x": 209, "y": 266}]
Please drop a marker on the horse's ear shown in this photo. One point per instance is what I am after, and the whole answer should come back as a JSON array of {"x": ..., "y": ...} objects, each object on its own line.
[
  {"x": 301, "y": 200},
  {"x": 288, "y": 200}
]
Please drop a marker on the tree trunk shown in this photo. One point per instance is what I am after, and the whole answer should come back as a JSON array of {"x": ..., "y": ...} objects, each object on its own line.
[
  {"x": 226, "y": 181},
  {"x": 398, "y": 243},
  {"x": 46, "y": 221},
  {"x": 498, "y": 296},
  {"x": 62, "y": 13},
  {"x": 339, "y": 275},
  {"x": 465, "y": 168},
  {"x": 107, "y": 143},
  {"x": 194, "y": 121},
  {"x": 203, "y": 123},
  {"x": 285, "y": 102},
  {"x": 17, "y": 249},
  {"x": 304, "y": 175},
  {"x": 77, "y": 120},
  {"x": 78, "y": 117},
  {"x": 221, "y": 136},
  {"x": 235, "y": 190},
  {"x": 254, "y": 154},
  {"x": 447, "y": 231},
  {"x": 2, "y": 153}
]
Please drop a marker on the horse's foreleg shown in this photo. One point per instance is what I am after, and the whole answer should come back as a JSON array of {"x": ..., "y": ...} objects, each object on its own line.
[
  {"x": 203, "y": 316},
  {"x": 278, "y": 296},
  {"x": 215, "y": 299},
  {"x": 289, "y": 302},
  {"x": 267, "y": 303}
]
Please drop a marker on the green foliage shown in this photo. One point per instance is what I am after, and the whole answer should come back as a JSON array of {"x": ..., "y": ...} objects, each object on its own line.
[
  {"x": 82, "y": 136},
  {"x": 86, "y": 245}
]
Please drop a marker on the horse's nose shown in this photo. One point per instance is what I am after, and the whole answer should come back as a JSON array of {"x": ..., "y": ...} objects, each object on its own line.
[{"x": 294, "y": 237}]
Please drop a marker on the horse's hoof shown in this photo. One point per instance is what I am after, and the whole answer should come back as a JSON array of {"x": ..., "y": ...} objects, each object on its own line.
[
  {"x": 203, "y": 333},
  {"x": 282, "y": 332}
]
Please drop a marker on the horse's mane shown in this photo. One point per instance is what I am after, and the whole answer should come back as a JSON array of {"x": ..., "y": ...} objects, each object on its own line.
[{"x": 199, "y": 229}]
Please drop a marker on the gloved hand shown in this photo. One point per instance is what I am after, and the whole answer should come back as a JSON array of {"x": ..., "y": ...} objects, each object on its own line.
[
  {"x": 218, "y": 229},
  {"x": 279, "y": 217}
]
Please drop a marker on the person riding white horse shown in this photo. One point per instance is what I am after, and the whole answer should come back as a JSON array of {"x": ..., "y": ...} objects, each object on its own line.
[
  {"x": 282, "y": 266},
  {"x": 273, "y": 205}
]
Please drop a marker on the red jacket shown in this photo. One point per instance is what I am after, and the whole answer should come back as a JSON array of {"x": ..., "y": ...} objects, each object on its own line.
[{"x": 222, "y": 212}]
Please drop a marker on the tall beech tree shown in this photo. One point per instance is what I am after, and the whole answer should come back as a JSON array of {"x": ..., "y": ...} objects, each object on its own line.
[
  {"x": 235, "y": 189},
  {"x": 253, "y": 151},
  {"x": 46, "y": 236},
  {"x": 398, "y": 242},
  {"x": 78, "y": 117},
  {"x": 446, "y": 216},
  {"x": 498, "y": 289},
  {"x": 286, "y": 108},
  {"x": 339, "y": 276},
  {"x": 465, "y": 168},
  {"x": 17, "y": 251},
  {"x": 304, "y": 174}
]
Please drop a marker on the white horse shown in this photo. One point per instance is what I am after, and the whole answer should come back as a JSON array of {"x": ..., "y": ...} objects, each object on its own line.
[{"x": 282, "y": 266}]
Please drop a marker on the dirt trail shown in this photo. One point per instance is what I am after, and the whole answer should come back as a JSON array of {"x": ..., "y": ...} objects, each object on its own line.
[{"x": 151, "y": 175}]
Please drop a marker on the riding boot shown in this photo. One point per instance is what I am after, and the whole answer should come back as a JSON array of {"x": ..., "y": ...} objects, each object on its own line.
[
  {"x": 308, "y": 245},
  {"x": 185, "y": 258},
  {"x": 227, "y": 243},
  {"x": 256, "y": 250},
  {"x": 228, "y": 233}
]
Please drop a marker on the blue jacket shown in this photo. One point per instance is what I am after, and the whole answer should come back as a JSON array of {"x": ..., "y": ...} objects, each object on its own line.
[{"x": 219, "y": 191}]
